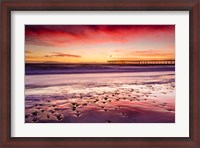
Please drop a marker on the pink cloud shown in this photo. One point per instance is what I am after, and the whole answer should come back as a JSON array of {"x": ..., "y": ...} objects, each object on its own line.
[{"x": 60, "y": 35}]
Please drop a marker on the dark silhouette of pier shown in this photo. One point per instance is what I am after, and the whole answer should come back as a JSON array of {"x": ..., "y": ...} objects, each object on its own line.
[{"x": 143, "y": 62}]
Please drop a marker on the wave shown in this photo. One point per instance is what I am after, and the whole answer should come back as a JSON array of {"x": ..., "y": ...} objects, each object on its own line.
[{"x": 34, "y": 69}]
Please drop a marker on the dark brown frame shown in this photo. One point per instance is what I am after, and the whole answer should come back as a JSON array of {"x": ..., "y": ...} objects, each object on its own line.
[{"x": 193, "y": 141}]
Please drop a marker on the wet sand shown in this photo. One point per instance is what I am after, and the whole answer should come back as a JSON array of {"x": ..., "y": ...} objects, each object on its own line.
[{"x": 144, "y": 100}]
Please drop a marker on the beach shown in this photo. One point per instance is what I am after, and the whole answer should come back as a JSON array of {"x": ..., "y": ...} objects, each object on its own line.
[{"x": 100, "y": 94}]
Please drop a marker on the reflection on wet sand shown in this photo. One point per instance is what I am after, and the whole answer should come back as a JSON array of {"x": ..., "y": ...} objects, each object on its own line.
[{"x": 144, "y": 100}]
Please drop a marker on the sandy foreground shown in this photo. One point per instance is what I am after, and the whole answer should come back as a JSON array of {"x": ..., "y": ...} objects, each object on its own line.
[{"x": 104, "y": 98}]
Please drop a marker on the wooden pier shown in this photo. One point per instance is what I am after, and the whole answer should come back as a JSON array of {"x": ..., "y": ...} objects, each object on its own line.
[{"x": 143, "y": 62}]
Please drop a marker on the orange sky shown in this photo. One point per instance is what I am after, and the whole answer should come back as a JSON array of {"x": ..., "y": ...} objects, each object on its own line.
[{"x": 98, "y": 43}]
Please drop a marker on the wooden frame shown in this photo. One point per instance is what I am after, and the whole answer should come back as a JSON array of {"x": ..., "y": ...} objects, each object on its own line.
[{"x": 193, "y": 141}]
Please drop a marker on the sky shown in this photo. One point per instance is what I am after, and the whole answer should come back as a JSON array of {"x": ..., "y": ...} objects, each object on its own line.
[{"x": 98, "y": 43}]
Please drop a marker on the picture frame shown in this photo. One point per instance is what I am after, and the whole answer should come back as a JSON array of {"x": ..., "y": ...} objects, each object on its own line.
[{"x": 8, "y": 6}]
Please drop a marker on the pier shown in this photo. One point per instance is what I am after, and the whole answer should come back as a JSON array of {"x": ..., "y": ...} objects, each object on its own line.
[{"x": 143, "y": 62}]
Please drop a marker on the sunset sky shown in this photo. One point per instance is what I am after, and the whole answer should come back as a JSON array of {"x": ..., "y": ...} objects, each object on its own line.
[{"x": 98, "y": 43}]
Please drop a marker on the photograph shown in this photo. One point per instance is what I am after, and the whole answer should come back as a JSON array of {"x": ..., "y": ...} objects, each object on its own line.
[
  {"x": 99, "y": 73},
  {"x": 91, "y": 74}
]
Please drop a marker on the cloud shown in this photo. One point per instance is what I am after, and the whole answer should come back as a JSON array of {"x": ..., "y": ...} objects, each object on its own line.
[
  {"x": 116, "y": 51},
  {"x": 149, "y": 54},
  {"x": 58, "y": 54},
  {"x": 27, "y": 51},
  {"x": 67, "y": 35},
  {"x": 153, "y": 52}
]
